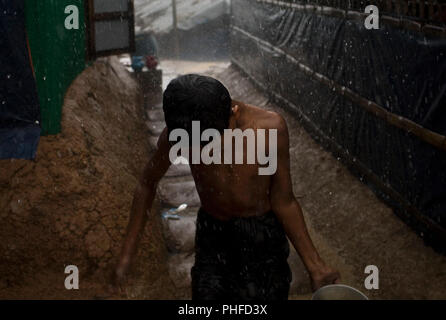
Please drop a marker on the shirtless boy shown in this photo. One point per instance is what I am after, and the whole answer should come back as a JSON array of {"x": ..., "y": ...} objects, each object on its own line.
[{"x": 241, "y": 245}]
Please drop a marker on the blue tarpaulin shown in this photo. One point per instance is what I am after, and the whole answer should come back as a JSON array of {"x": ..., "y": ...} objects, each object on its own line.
[{"x": 19, "y": 106}]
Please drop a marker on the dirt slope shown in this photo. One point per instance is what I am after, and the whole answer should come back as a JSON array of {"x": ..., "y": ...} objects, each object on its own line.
[{"x": 71, "y": 205}]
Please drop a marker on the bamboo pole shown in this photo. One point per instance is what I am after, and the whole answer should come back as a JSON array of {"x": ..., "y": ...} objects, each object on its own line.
[
  {"x": 398, "y": 7},
  {"x": 430, "y": 10},
  {"x": 413, "y": 7},
  {"x": 389, "y": 6},
  {"x": 422, "y": 7},
  {"x": 404, "y": 8}
]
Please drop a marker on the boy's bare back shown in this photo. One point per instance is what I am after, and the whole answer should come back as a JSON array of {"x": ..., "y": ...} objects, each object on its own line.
[{"x": 235, "y": 190}]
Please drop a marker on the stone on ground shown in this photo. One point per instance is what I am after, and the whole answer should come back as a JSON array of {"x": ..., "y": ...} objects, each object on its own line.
[
  {"x": 180, "y": 234},
  {"x": 155, "y": 127},
  {"x": 153, "y": 142},
  {"x": 155, "y": 115},
  {"x": 174, "y": 194},
  {"x": 179, "y": 271},
  {"x": 178, "y": 170}
]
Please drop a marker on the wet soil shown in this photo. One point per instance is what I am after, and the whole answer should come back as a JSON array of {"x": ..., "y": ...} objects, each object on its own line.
[{"x": 70, "y": 205}]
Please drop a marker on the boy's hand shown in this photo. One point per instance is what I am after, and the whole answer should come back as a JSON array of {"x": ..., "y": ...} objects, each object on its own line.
[{"x": 323, "y": 276}]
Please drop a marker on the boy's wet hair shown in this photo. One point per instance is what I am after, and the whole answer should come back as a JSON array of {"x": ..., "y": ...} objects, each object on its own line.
[{"x": 194, "y": 97}]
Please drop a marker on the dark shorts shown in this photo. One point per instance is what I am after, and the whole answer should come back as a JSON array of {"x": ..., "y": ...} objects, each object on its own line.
[{"x": 240, "y": 259}]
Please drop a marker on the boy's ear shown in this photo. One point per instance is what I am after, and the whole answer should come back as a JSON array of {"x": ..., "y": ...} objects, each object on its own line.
[{"x": 234, "y": 109}]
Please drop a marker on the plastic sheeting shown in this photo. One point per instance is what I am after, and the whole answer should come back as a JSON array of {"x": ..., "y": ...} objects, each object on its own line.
[
  {"x": 19, "y": 107},
  {"x": 402, "y": 71}
]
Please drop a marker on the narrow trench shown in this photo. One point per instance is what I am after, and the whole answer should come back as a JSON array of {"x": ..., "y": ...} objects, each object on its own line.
[
  {"x": 327, "y": 192},
  {"x": 178, "y": 188}
]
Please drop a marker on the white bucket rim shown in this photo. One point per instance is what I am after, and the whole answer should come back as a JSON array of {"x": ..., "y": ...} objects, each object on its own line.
[{"x": 340, "y": 285}]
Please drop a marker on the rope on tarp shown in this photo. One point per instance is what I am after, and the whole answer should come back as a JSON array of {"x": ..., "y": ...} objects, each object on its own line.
[
  {"x": 435, "y": 139},
  {"x": 400, "y": 17}
]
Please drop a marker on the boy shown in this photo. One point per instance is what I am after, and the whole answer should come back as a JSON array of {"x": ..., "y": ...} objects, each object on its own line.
[{"x": 241, "y": 247}]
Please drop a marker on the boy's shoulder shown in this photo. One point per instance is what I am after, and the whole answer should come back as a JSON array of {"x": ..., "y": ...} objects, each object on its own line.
[{"x": 266, "y": 119}]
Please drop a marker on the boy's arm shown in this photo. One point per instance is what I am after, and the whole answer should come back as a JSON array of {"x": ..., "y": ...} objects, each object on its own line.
[
  {"x": 289, "y": 212},
  {"x": 142, "y": 202}
]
